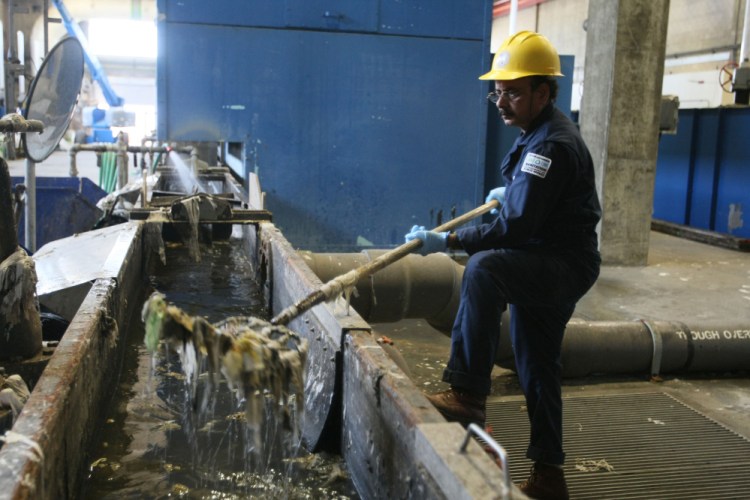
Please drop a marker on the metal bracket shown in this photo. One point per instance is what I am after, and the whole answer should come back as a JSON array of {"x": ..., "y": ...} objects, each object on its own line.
[
  {"x": 658, "y": 349},
  {"x": 213, "y": 209},
  {"x": 499, "y": 450}
]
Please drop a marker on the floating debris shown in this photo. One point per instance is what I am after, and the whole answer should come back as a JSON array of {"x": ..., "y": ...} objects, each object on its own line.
[
  {"x": 180, "y": 490},
  {"x": 586, "y": 465},
  {"x": 257, "y": 359},
  {"x": 17, "y": 289},
  {"x": 169, "y": 425},
  {"x": 13, "y": 394}
]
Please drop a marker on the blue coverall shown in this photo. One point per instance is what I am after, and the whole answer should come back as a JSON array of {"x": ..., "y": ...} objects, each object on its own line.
[{"x": 540, "y": 256}]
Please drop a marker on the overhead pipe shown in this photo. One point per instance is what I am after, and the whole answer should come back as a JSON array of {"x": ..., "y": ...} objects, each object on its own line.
[
  {"x": 513, "y": 17},
  {"x": 430, "y": 288},
  {"x": 16, "y": 123},
  {"x": 122, "y": 149},
  {"x": 98, "y": 147}
]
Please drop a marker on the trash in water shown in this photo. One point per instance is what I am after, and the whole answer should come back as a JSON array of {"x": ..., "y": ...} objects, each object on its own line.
[{"x": 257, "y": 359}]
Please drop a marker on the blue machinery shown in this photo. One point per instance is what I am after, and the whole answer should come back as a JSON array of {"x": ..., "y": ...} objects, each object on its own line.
[
  {"x": 100, "y": 120},
  {"x": 95, "y": 67},
  {"x": 703, "y": 172},
  {"x": 362, "y": 118}
]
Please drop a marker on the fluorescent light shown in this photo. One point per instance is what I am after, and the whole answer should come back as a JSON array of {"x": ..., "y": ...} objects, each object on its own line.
[{"x": 697, "y": 59}]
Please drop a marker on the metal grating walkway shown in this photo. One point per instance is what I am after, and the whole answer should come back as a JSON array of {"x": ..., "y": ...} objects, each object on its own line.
[{"x": 658, "y": 448}]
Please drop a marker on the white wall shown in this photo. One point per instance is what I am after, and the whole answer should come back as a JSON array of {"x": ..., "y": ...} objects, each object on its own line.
[{"x": 702, "y": 37}]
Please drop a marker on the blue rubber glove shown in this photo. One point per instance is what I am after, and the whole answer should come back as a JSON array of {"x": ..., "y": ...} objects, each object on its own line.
[
  {"x": 431, "y": 241},
  {"x": 496, "y": 194}
]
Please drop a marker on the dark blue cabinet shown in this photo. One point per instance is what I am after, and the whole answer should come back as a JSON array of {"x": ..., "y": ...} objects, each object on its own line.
[{"x": 360, "y": 118}]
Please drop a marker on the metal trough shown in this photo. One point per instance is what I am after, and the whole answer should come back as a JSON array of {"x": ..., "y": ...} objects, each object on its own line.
[{"x": 357, "y": 400}]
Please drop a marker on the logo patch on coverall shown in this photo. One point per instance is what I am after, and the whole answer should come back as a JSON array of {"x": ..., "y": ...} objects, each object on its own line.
[{"x": 535, "y": 164}]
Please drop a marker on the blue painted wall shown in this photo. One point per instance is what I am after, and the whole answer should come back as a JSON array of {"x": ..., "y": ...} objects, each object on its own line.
[
  {"x": 703, "y": 172},
  {"x": 360, "y": 118}
]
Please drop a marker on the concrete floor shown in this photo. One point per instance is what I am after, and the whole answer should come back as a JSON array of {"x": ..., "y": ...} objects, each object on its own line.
[{"x": 684, "y": 281}]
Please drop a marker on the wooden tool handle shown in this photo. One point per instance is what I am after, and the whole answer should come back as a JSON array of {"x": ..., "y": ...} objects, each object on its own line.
[{"x": 335, "y": 286}]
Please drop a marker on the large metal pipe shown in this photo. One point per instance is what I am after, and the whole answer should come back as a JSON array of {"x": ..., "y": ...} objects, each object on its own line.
[
  {"x": 654, "y": 347},
  {"x": 430, "y": 287},
  {"x": 413, "y": 287}
]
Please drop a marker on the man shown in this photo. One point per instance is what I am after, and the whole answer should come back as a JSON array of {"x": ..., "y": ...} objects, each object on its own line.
[{"x": 539, "y": 256}]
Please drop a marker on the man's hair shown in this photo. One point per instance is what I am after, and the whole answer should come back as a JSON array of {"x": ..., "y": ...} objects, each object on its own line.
[{"x": 551, "y": 81}]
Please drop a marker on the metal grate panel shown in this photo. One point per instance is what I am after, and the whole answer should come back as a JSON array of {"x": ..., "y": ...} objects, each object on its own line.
[{"x": 658, "y": 448}]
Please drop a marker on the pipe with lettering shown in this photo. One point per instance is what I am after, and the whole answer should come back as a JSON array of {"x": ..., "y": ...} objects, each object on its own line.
[
  {"x": 654, "y": 347},
  {"x": 430, "y": 287}
]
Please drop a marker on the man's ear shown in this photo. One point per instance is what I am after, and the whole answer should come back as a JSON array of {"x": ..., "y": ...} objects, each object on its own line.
[{"x": 544, "y": 91}]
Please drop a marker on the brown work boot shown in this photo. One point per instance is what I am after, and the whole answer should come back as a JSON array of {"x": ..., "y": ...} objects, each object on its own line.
[
  {"x": 546, "y": 482},
  {"x": 460, "y": 406}
]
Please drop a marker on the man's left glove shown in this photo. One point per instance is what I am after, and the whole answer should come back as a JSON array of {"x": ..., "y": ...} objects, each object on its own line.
[
  {"x": 431, "y": 241},
  {"x": 496, "y": 194}
]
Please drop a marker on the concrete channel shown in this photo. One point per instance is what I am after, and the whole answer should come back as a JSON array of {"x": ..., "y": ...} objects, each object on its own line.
[{"x": 395, "y": 444}]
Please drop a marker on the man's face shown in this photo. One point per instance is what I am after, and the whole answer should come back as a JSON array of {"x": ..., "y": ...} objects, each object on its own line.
[{"x": 519, "y": 105}]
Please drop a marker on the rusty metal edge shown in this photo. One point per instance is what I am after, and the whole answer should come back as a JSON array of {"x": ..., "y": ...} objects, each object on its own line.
[
  {"x": 287, "y": 278},
  {"x": 373, "y": 406},
  {"x": 49, "y": 441},
  {"x": 389, "y": 440},
  {"x": 714, "y": 238}
]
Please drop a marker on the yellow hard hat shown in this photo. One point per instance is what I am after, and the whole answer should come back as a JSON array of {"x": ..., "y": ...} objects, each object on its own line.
[{"x": 524, "y": 54}]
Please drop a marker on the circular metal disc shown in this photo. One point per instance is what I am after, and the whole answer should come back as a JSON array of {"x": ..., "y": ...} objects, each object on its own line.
[{"x": 53, "y": 96}]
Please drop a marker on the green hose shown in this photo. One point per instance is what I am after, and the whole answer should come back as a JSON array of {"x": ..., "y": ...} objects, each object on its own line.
[
  {"x": 156, "y": 162},
  {"x": 108, "y": 171},
  {"x": 102, "y": 175},
  {"x": 112, "y": 171},
  {"x": 105, "y": 172}
]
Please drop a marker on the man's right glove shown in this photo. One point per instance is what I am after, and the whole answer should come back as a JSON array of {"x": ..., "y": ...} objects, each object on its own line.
[
  {"x": 496, "y": 194},
  {"x": 431, "y": 241}
]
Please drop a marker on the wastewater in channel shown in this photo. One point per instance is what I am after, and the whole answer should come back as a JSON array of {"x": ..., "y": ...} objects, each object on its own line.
[{"x": 156, "y": 441}]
